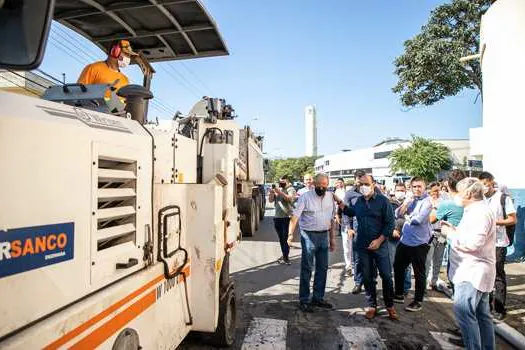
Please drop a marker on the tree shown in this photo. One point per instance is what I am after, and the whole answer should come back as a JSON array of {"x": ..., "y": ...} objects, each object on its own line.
[
  {"x": 429, "y": 69},
  {"x": 424, "y": 158},
  {"x": 295, "y": 168}
]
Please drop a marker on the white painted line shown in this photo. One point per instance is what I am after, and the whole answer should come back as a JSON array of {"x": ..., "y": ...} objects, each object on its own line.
[
  {"x": 442, "y": 339},
  {"x": 266, "y": 334},
  {"x": 362, "y": 338}
]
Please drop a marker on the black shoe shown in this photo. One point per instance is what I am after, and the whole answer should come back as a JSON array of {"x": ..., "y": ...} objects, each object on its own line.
[
  {"x": 457, "y": 342},
  {"x": 455, "y": 331},
  {"x": 357, "y": 289},
  {"x": 321, "y": 303},
  {"x": 305, "y": 307},
  {"x": 414, "y": 306},
  {"x": 500, "y": 316},
  {"x": 400, "y": 299}
]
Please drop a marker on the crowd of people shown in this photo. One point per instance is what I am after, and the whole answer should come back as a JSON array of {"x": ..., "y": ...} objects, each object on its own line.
[{"x": 412, "y": 228}]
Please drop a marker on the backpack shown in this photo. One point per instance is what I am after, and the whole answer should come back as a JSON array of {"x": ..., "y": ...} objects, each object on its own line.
[{"x": 511, "y": 228}]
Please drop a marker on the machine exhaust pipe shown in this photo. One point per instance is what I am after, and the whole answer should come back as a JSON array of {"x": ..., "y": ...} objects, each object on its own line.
[{"x": 136, "y": 97}]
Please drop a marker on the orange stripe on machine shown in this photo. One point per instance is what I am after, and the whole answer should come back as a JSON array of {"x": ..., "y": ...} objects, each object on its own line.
[
  {"x": 99, "y": 335},
  {"x": 139, "y": 306}
]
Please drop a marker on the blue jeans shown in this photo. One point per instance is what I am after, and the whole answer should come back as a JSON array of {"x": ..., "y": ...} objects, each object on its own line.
[
  {"x": 314, "y": 245},
  {"x": 356, "y": 265},
  {"x": 472, "y": 311},
  {"x": 392, "y": 245},
  {"x": 380, "y": 258}
]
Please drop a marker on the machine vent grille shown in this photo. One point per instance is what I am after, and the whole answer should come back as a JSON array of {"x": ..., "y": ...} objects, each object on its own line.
[{"x": 116, "y": 202}]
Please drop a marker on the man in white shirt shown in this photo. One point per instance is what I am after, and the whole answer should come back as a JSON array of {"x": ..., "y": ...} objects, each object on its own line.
[
  {"x": 308, "y": 184},
  {"x": 505, "y": 213},
  {"x": 472, "y": 265}
]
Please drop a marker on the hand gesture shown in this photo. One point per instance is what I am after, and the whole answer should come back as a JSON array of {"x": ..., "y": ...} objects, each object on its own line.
[
  {"x": 351, "y": 233},
  {"x": 375, "y": 244},
  {"x": 396, "y": 234}
]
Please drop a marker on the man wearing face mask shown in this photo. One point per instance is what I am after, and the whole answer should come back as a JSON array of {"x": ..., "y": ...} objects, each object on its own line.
[
  {"x": 315, "y": 211},
  {"x": 414, "y": 243},
  {"x": 398, "y": 199},
  {"x": 108, "y": 71},
  {"x": 308, "y": 184},
  {"x": 350, "y": 226},
  {"x": 472, "y": 265},
  {"x": 376, "y": 223},
  {"x": 505, "y": 212},
  {"x": 283, "y": 197}
]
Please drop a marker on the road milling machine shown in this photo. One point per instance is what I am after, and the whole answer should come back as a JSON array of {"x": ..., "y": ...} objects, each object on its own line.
[{"x": 116, "y": 233}]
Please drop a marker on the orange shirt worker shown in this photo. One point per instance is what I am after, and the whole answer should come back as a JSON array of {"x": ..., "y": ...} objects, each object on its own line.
[{"x": 108, "y": 71}]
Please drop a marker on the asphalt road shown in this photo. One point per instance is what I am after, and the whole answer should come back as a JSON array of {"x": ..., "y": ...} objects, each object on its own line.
[{"x": 268, "y": 315}]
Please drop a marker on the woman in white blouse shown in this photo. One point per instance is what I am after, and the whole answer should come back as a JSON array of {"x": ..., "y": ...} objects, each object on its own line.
[{"x": 472, "y": 265}]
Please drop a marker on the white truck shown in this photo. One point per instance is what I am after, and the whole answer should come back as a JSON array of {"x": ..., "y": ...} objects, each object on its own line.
[{"x": 116, "y": 233}]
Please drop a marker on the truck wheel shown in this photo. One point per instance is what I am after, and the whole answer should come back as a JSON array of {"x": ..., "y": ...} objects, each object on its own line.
[
  {"x": 248, "y": 224},
  {"x": 257, "y": 220},
  {"x": 224, "y": 336},
  {"x": 262, "y": 207}
]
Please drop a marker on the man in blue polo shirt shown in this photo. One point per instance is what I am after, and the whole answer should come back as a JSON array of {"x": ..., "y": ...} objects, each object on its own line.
[
  {"x": 414, "y": 243},
  {"x": 375, "y": 219},
  {"x": 314, "y": 211}
]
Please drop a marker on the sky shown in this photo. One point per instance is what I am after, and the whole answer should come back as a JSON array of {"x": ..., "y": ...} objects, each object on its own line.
[{"x": 286, "y": 54}]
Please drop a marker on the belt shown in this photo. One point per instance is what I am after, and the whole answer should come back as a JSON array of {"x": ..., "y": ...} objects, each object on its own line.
[{"x": 323, "y": 231}]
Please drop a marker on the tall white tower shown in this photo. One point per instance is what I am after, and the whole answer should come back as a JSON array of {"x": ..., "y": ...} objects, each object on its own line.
[{"x": 310, "y": 123}]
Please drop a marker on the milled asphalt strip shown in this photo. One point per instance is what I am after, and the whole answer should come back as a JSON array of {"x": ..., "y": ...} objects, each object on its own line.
[
  {"x": 362, "y": 338},
  {"x": 266, "y": 334}
]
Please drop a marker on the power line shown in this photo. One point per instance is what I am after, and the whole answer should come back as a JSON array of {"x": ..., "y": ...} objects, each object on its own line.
[
  {"x": 197, "y": 78},
  {"x": 180, "y": 81},
  {"x": 77, "y": 42},
  {"x": 65, "y": 51},
  {"x": 78, "y": 50}
]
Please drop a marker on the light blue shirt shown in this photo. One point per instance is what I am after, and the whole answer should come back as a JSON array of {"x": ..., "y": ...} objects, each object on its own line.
[
  {"x": 417, "y": 230},
  {"x": 315, "y": 213}
]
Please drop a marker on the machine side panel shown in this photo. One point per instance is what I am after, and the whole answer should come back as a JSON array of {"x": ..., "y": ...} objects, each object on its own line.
[{"x": 47, "y": 149}]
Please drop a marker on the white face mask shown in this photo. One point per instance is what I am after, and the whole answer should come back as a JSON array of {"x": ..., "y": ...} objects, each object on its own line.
[
  {"x": 124, "y": 61},
  {"x": 486, "y": 190},
  {"x": 458, "y": 200},
  {"x": 365, "y": 190},
  {"x": 400, "y": 195}
]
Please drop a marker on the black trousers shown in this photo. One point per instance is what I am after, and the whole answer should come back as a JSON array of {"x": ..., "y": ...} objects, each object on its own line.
[
  {"x": 417, "y": 256},
  {"x": 281, "y": 227},
  {"x": 499, "y": 296}
]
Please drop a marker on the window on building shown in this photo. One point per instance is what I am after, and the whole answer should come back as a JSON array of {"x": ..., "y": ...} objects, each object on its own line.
[
  {"x": 381, "y": 155},
  {"x": 326, "y": 162}
]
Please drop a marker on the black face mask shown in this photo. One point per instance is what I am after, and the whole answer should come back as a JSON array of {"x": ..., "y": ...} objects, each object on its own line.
[
  {"x": 282, "y": 184},
  {"x": 320, "y": 191}
]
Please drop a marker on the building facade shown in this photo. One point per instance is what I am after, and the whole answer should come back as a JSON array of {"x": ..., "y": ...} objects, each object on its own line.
[
  {"x": 497, "y": 143},
  {"x": 310, "y": 126},
  {"x": 374, "y": 160}
]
